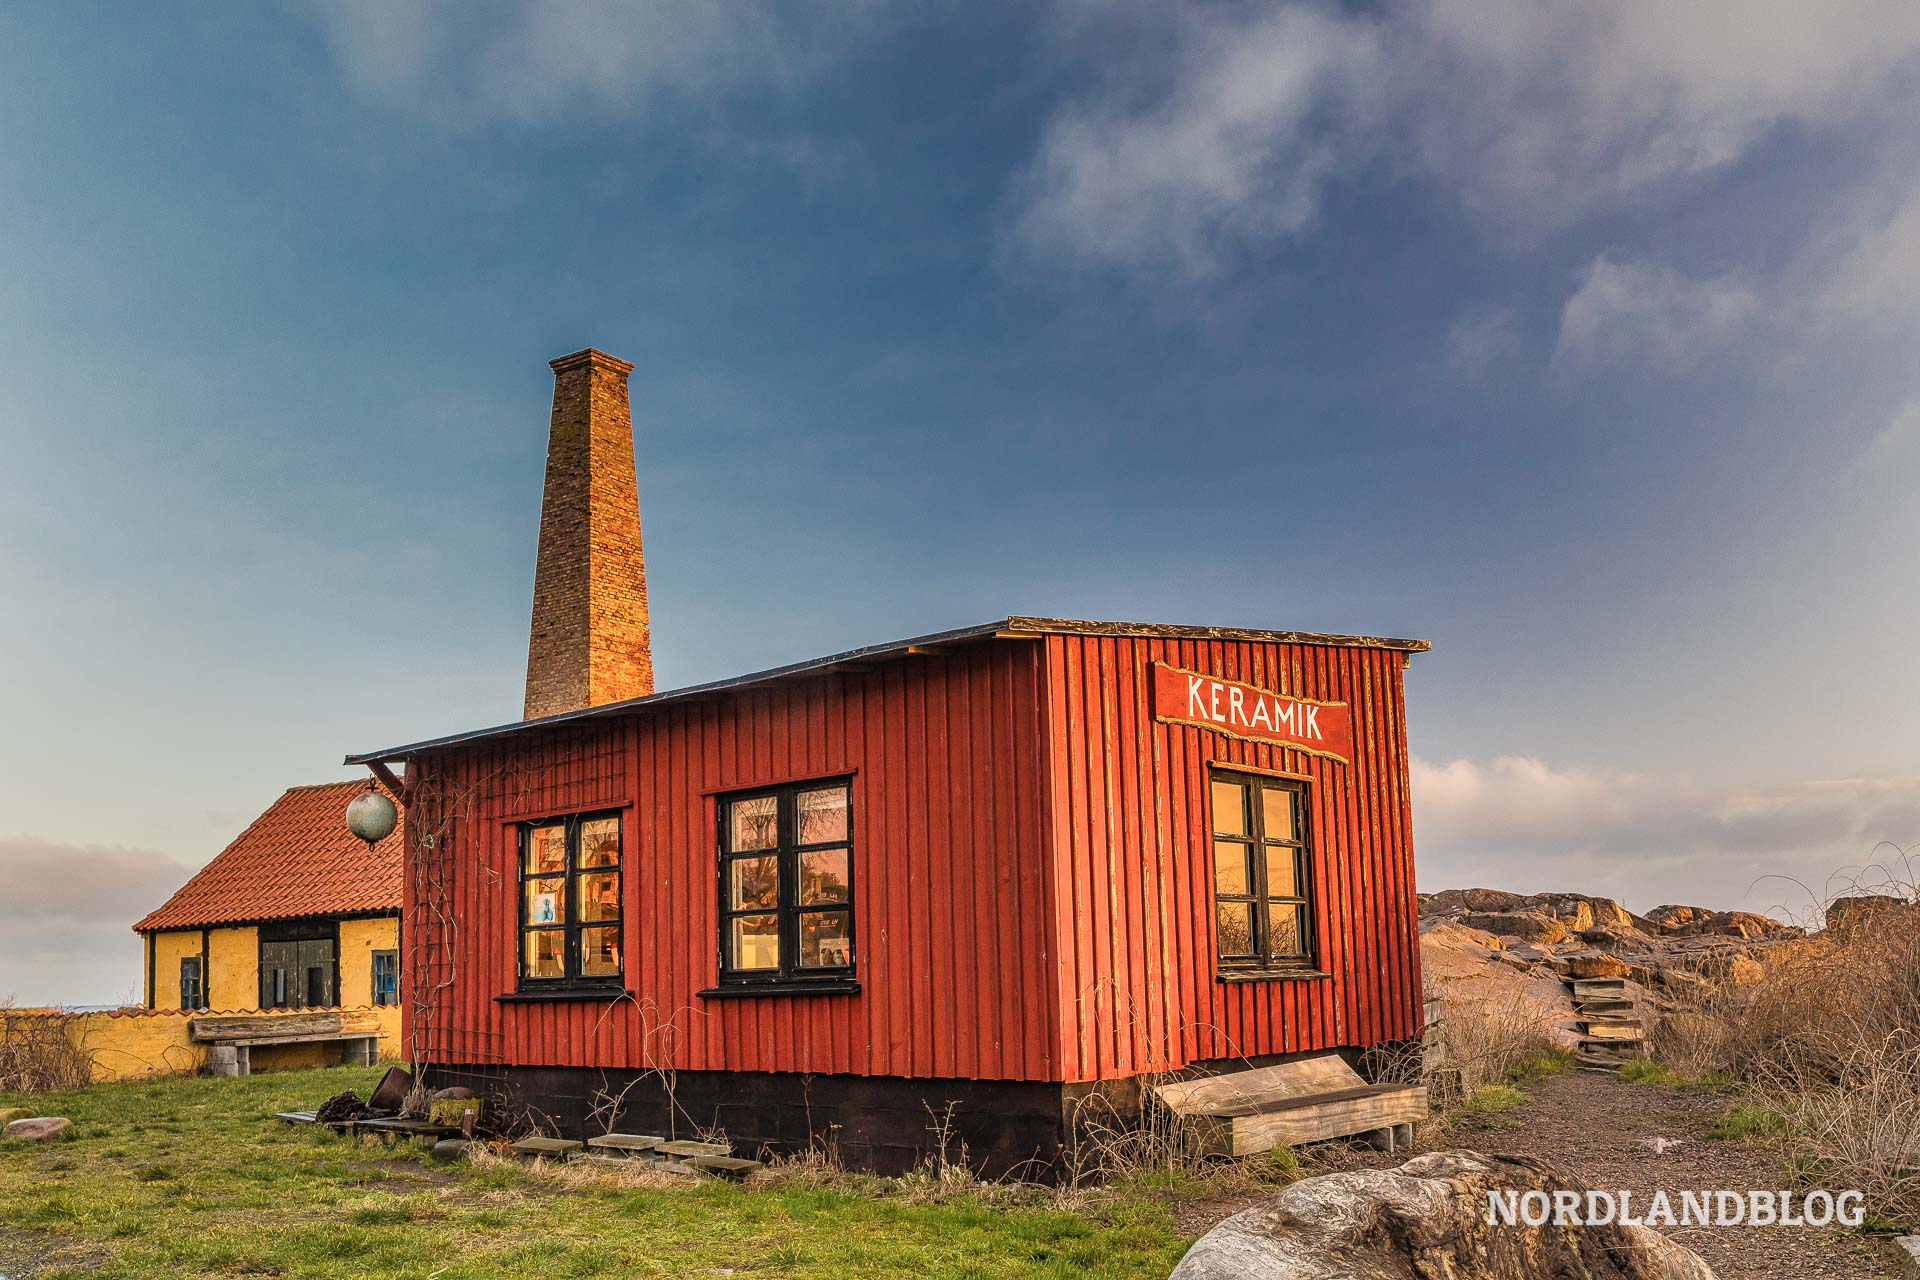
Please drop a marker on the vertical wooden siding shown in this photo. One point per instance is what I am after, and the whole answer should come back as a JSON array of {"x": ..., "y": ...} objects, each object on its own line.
[
  {"x": 1133, "y": 903},
  {"x": 1032, "y": 870},
  {"x": 951, "y": 920}
]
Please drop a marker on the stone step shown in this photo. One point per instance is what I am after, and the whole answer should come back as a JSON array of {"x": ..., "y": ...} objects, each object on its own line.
[
  {"x": 723, "y": 1166},
  {"x": 684, "y": 1150},
  {"x": 545, "y": 1147},
  {"x": 634, "y": 1144}
]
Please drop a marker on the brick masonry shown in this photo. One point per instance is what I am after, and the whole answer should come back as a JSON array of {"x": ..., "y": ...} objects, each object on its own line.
[{"x": 590, "y": 642}]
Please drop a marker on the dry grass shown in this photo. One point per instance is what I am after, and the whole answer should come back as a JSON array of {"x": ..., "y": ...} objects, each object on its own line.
[
  {"x": 37, "y": 1054},
  {"x": 1827, "y": 1040},
  {"x": 1490, "y": 1042}
]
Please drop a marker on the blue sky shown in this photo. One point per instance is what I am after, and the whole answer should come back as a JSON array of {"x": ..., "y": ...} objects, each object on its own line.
[{"x": 1578, "y": 340}]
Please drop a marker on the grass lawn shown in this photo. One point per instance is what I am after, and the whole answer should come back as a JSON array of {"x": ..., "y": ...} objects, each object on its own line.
[{"x": 191, "y": 1177}]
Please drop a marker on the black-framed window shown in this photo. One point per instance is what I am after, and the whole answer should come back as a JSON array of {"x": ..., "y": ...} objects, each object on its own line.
[
  {"x": 1262, "y": 873},
  {"x": 299, "y": 964},
  {"x": 786, "y": 884},
  {"x": 386, "y": 978},
  {"x": 570, "y": 902},
  {"x": 193, "y": 991}
]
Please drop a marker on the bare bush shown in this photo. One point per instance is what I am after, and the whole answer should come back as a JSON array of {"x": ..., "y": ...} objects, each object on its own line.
[
  {"x": 38, "y": 1053},
  {"x": 1485, "y": 1040},
  {"x": 1828, "y": 1039}
]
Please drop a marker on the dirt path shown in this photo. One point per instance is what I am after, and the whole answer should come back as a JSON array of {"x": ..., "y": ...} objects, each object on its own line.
[{"x": 1598, "y": 1126}]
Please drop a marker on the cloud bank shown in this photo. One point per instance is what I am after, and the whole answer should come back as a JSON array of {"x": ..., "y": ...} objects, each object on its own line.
[
  {"x": 1528, "y": 116},
  {"x": 1519, "y": 823},
  {"x": 479, "y": 61},
  {"x": 67, "y": 917}
]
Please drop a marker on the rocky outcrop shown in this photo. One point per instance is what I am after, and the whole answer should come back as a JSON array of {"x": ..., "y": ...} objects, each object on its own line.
[
  {"x": 1562, "y": 929},
  {"x": 1528, "y": 926},
  {"x": 1844, "y": 913},
  {"x": 1425, "y": 1219}
]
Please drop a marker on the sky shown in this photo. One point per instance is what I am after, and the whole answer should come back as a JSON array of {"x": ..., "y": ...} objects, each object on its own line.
[{"x": 1577, "y": 339}]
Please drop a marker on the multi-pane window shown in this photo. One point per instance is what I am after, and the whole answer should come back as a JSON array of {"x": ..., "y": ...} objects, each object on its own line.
[
  {"x": 192, "y": 987},
  {"x": 570, "y": 902},
  {"x": 786, "y": 884},
  {"x": 1263, "y": 917},
  {"x": 386, "y": 977}
]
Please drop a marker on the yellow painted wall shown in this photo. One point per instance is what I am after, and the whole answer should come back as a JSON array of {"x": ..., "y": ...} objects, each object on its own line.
[
  {"x": 168, "y": 948},
  {"x": 130, "y": 1044},
  {"x": 359, "y": 939},
  {"x": 233, "y": 961}
]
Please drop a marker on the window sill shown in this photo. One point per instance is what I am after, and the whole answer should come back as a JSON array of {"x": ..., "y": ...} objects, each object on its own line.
[
  {"x": 801, "y": 987},
  {"x": 600, "y": 994},
  {"x": 1297, "y": 974}
]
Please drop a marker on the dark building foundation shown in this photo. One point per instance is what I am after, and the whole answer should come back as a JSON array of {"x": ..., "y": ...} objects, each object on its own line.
[{"x": 884, "y": 1124}]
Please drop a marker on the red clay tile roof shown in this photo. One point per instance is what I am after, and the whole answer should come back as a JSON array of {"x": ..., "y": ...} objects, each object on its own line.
[{"x": 297, "y": 859}]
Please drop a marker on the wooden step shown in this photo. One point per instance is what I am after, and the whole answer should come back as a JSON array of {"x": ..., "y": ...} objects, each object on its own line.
[
  {"x": 1612, "y": 1030},
  {"x": 1601, "y": 988},
  {"x": 1616, "y": 1050},
  {"x": 1601, "y": 1008},
  {"x": 545, "y": 1147}
]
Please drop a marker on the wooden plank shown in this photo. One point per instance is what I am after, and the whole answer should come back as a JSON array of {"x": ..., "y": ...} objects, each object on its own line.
[
  {"x": 1272, "y": 1105},
  {"x": 1323, "y": 1073},
  {"x": 254, "y": 1041},
  {"x": 1612, "y": 1030},
  {"x": 1250, "y": 1135},
  {"x": 244, "y": 1026}
]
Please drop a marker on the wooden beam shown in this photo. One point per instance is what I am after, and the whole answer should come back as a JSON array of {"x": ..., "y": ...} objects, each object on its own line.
[{"x": 395, "y": 785}]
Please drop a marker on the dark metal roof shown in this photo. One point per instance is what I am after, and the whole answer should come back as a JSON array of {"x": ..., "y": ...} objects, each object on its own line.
[{"x": 1014, "y": 628}]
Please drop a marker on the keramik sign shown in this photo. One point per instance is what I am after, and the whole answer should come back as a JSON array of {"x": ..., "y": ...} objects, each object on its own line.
[{"x": 1252, "y": 713}]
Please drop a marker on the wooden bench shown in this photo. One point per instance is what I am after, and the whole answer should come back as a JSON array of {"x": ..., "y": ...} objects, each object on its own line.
[
  {"x": 231, "y": 1037},
  {"x": 1241, "y": 1113}
]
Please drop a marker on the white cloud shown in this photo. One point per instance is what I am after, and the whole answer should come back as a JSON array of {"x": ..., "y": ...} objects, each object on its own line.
[
  {"x": 1237, "y": 148},
  {"x": 1877, "y": 280},
  {"x": 1894, "y": 450},
  {"x": 1645, "y": 313},
  {"x": 1520, "y": 823},
  {"x": 1529, "y": 114},
  {"x": 1484, "y": 339},
  {"x": 534, "y": 60}
]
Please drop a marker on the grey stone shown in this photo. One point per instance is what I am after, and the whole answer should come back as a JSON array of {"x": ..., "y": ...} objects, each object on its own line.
[
  {"x": 450, "y": 1149},
  {"x": 1429, "y": 1217},
  {"x": 38, "y": 1128}
]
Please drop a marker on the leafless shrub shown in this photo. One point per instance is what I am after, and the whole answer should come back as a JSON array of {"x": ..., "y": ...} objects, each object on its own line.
[
  {"x": 38, "y": 1053},
  {"x": 1484, "y": 1040},
  {"x": 1827, "y": 1038}
]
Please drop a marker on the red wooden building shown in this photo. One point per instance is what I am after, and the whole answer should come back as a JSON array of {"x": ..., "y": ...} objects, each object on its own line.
[{"x": 994, "y": 868}]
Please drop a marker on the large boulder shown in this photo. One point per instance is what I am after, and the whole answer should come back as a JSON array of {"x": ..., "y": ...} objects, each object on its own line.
[
  {"x": 1428, "y": 1218},
  {"x": 1528, "y": 926},
  {"x": 1844, "y": 913},
  {"x": 1597, "y": 965},
  {"x": 1454, "y": 902},
  {"x": 37, "y": 1128}
]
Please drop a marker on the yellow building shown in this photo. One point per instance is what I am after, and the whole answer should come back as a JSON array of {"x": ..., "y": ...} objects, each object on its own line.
[{"x": 295, "y": 914}]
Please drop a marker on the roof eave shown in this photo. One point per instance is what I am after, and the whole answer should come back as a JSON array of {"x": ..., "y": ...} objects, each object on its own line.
[{"x": 1011, "y": 628}]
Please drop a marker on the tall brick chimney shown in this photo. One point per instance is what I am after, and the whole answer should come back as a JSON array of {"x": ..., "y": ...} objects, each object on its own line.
[{"x": 590, "y": 643}]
